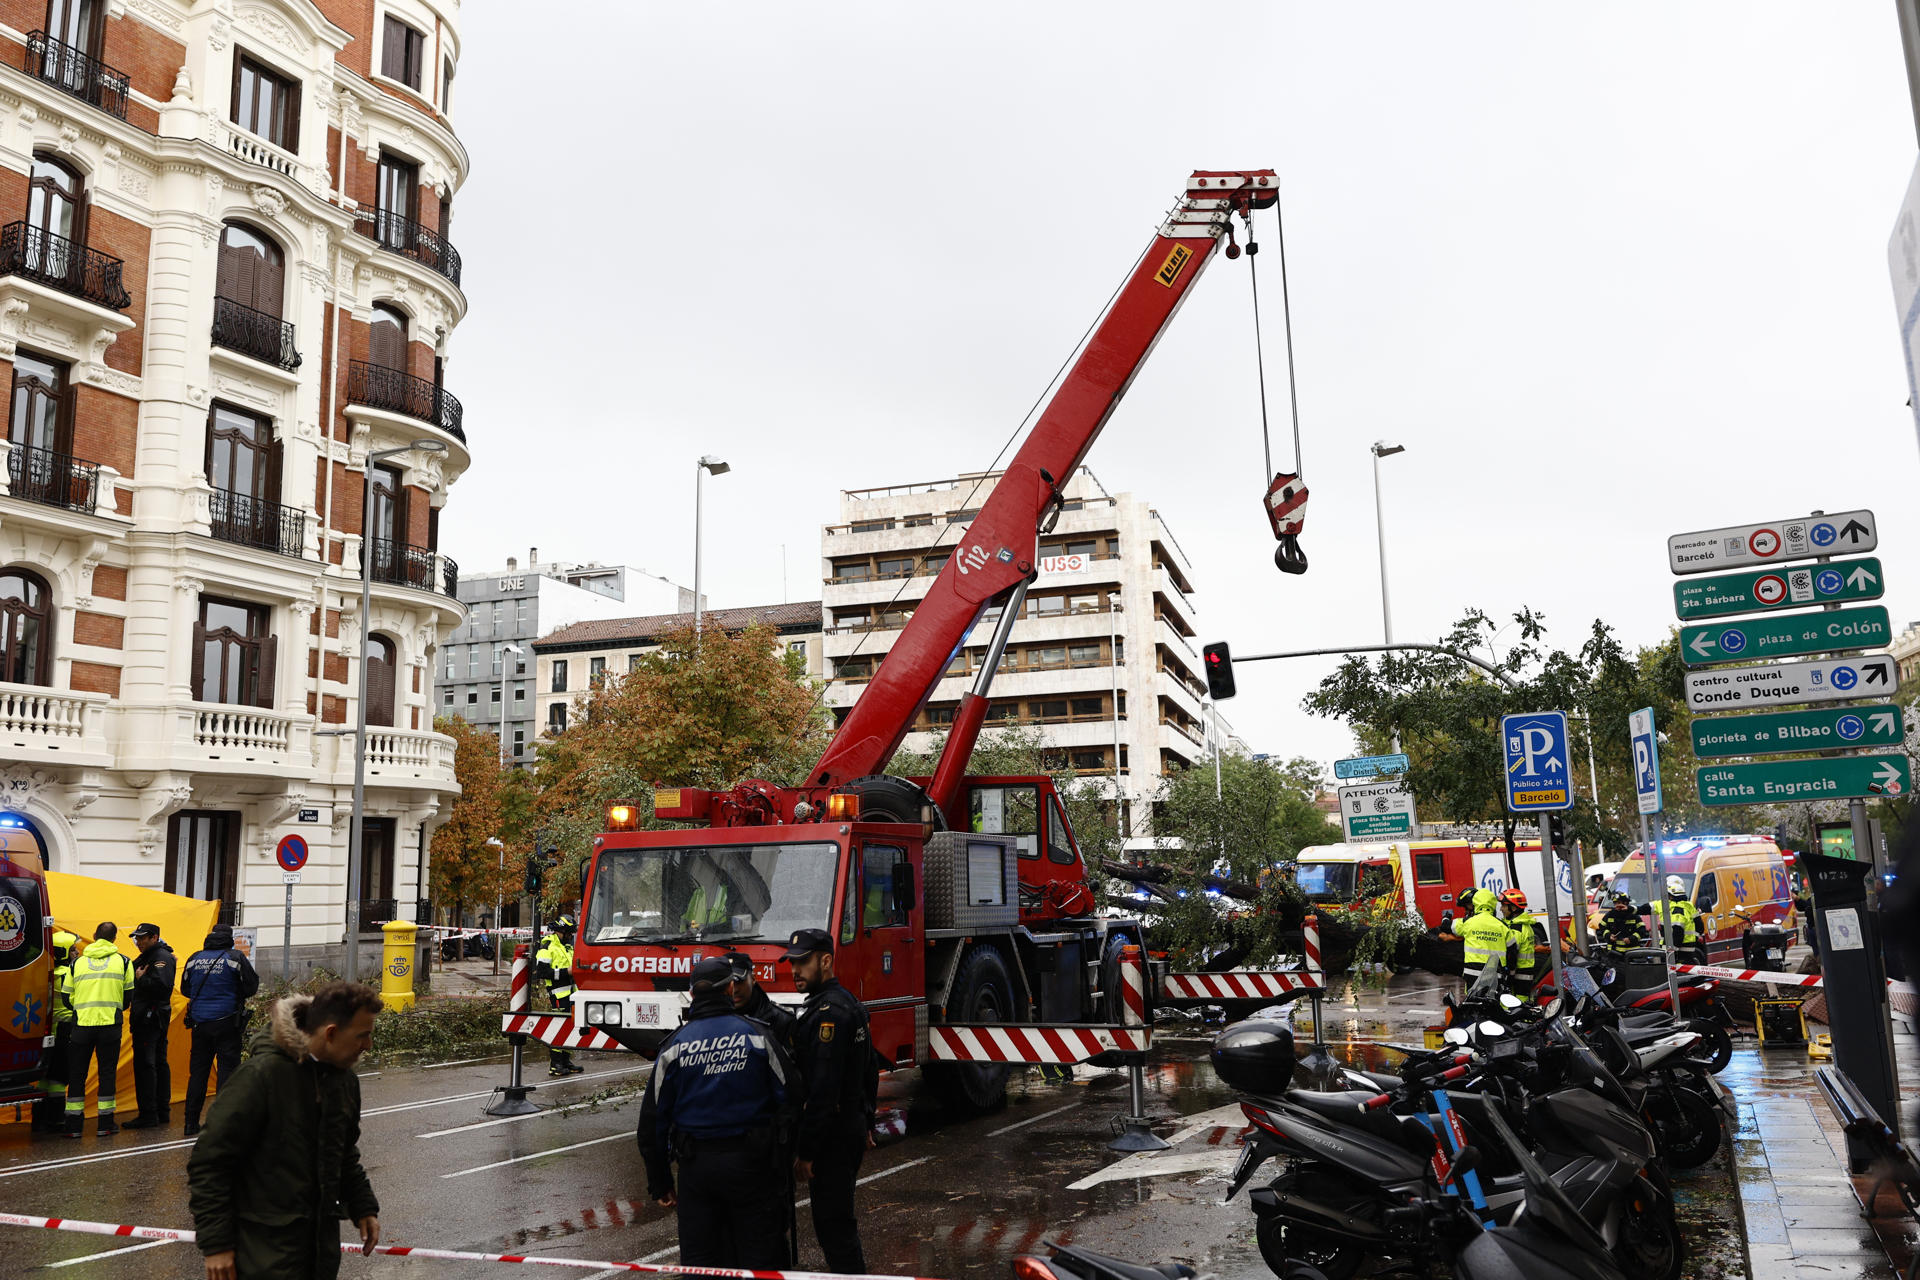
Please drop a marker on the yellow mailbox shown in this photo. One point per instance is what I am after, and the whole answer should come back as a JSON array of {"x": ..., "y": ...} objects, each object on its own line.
[{"x": 396, "y": 967}]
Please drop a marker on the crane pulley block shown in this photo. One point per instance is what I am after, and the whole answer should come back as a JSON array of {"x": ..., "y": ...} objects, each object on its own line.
[{"x": 1287, "y": 511}]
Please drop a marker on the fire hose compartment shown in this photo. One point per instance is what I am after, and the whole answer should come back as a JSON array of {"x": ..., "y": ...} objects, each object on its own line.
[{"x": 972, "y": 881}]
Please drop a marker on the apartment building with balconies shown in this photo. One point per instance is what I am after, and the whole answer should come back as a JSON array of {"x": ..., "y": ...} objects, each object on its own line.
[
  {"x": 1104, "y": 661},
  {"x": 226, "y": 300}
]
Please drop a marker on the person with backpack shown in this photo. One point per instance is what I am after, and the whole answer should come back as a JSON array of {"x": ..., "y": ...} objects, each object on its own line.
[{"x": 218, "y": 981}]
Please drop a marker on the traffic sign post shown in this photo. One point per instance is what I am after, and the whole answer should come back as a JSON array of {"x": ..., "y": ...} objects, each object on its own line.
[
  {"x": 1828, "y": 729},
  {"x": 291, "y": 854},
  {"x": 1371, "y": 766},
  {"x": 1840, "y": 582},
  {"x": 1886, "y": 775},
  {"x": 1791, "y": 683},
  {"x": 1785, "y": 637},
  {"x": 1646, "y": 785},
  {"x": 1377, "y": 811},
  {"x": 1772, "y": 542},
  {"x": 1539, "y": 781}
]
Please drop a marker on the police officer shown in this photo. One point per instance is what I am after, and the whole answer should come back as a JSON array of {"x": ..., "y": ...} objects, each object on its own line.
[
  {"x": 834, "y": 1052},
  {"x": 154, "y": 970},
  {"x": 1486, "y": 936},
  {"x": 716, "y": 1105},
  {"x": 217, "y": 982},
  {"x": 47, "y": 1112},
  {"x": 1683, "y": 919},
  {"x": 554, "y": 962},
  {"x": 99, "y": 987},
  {"x": 1528, "y": 932},
  {"x": 750, "y": 1000},
  {"x": 1621, "y": 927}
]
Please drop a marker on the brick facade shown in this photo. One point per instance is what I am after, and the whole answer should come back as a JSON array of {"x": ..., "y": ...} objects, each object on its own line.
[{"x": 102, "y": 631}]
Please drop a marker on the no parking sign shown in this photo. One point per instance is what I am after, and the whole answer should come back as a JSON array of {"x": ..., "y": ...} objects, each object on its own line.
[{"x": 291, "y": 852}]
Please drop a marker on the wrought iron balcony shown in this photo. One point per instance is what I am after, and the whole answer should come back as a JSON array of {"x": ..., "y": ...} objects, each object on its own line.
[
  {"x": 398, "y": 391},
  {"x": 37, "y": 254},
  {"x": 52, "y": 479},
  {"x": 408, "y": 238},
  {"x": 71, "y": 71},
  {"x": 402, "y": 564},
  {"x": 450, "y": 577},
  {"x": 255, "y": 522},
  {"x": 266, "y": 338}
]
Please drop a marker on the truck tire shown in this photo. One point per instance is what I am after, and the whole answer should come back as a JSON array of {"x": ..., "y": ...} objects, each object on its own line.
[
  {"x": 982, "y": 992},
  {"x": 1111, "y": 1003}
]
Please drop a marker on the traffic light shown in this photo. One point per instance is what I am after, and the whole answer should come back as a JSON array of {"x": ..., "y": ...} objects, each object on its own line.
[
  {"x": 1557, "y": 830},
  {"x": 533, "y": 875},
  {"x": 1219, "y": 662}
]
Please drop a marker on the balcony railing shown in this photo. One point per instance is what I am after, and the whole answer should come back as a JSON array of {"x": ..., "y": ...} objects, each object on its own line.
[
  {"x": 401, "y": 564},
  {"x": 30, "y": 715},
  {"x": 398, "y": 391},
  {"x": 409, "y": 239},
  {"x": 71, "y": 71},
  {"x": 255, "y": 522},
  {"x": 450, "y": 577},
  {"x": 52, "y": 479},
  {"x": 242, "y": 728},
  {"x": 266, "y": 338},
  {"x": 37, "y": 254}
]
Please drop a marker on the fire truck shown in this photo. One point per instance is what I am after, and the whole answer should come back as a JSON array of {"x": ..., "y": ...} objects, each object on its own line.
[{"x": 951, "y": 899}]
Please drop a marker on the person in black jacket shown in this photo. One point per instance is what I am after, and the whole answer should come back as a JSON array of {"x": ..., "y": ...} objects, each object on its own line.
[
  {"x": 751, "y": 1001},
  {"x": 834, "y": 1051},
  {"x": 217, "y": 982},
  {"x": 151, "y": 1015}
]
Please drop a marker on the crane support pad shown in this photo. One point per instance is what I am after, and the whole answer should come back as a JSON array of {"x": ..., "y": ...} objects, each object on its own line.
[
  {"x": 999, "y": 1042},
  {"x": 1238, "y": 984},
  {"x": 558, "y": 1030}
]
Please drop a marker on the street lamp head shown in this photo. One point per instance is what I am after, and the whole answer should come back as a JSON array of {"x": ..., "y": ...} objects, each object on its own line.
[
  {"x": 418, "y": 446},
  {"x": 493, "y": 842},
  {"x": 714, "y": 466},
  {"x": 424, "y": 445},
  {"x": 1381, "y": 449},
  {"x": 511, "y": 648}
]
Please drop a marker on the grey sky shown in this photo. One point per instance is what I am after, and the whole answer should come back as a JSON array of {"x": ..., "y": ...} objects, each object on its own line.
[{"x": 1609, "y": 273}]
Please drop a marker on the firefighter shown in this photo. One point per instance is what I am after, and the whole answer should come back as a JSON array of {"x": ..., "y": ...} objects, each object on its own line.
[
  {"x": 99, "y": 987},
  {"x": 840, "y": 1084},
  {"x": 1486, "y": 936},
  {"x": 1621, "y": 927},
  {"x": 1528, "y": 932},
  {"x": 705, "y": 914},
  {"x": 48, "y": 1111},
  {"x": 1683, "y": 920},
  {"x": 716, "y": 1104},
  {"x": 554, "y": 963}
]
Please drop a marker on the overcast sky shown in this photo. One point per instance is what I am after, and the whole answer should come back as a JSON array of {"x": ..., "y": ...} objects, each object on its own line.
[{"x": 1608, "y": 273}]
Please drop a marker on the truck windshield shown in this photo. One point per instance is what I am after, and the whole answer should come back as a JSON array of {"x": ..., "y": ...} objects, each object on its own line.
[
  {"x": 717, "y": 893},
  {"x": 1640, "y": 887},
  {"x": 1325, "y": 881}
]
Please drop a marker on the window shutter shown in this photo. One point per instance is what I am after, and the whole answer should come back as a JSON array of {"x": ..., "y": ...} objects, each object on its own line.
[
  {"x": 289, "y": 93},
  {"x": 393, "y": 50},
  {"x": 197, "y": 680},
  {"x": 276, "y": 463},
  {"x": 227, "y": 281},
  {"x": 269, "y": 283},
  {"x": 263, "y": 685}
]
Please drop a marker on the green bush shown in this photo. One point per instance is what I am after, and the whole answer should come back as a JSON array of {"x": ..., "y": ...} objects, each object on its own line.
[{"x": 436, "y": 1027}]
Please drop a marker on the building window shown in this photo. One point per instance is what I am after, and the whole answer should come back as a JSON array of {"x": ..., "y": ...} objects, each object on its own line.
[
  {"x": 596, "y": 672},
  {"x": 243, "y": 458},
  {"x": 382, "y": 671},
  {"x": 557, "y": 718},
  {"x": 520, "y": 610},
  {"x": 203, "y": 858},
  {"x": 449, "y": 698},
  {"x": 519, "y": 741},
  {"x": 265, "y": 103},
  {"x": 1094, "y": 759},
  {"x": 387, "y": 337},
  {"x": 473, "y": 697},
  {"x": 376, "y": 873},
  {"x": 793, "y": 646},
  {"x": 402, "y": 52},
  {"x": 939, "y": 715},
  {"x": 519, "y": 694},
  {"x": 40, "y": 428},
  {"x": 633, "y": 662},
  {"x": 858, "y": 571},
  {"x": 27, "y": 640},
  {"x": 493, "y": 695},
  {"x": 520, "y": 664},
  {"x": 1083, "y": 654},
  {"x": 446, "y": 107},
  {"x": 252, "y": 270},
  {"x": 896, "y": 567},
  {"x": 473, "y": 660},
  {"x": 396, "y": 195},
  {"x": 1089, "y": 708},
  {"x": 76, "y": 24},
  {"x": 56, "y": 204},
  {"x": 559, "y": 684},
  {"x": 233, "y": 654},
  {"x": 1050, "y": 709},
  {"x": 1049, "y": 606}
]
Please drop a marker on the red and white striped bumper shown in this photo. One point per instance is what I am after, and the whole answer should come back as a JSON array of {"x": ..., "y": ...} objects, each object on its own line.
[
  {"x": 558, "y": 1030},
  {"x": 1238, "y": 984},
  {"x": 1039, "y": 1045}
]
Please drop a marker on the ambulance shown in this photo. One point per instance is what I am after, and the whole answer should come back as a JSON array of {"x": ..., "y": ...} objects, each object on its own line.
[{"x": 1428, "y": 874}]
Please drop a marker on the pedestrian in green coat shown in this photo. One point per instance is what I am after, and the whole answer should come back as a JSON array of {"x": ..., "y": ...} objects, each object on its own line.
[{"x": 277, "y": 1165}]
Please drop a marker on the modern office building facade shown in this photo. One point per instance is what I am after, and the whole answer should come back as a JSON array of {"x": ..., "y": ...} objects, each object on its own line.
[{"x": 227, "y": 299}]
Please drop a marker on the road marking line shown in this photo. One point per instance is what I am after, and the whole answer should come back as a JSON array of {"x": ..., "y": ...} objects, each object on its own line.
[
  {"x": 393, "y": 1108},
  {"x": 458, "y": 1062},
  {"x": 872, "y": 1177},
  {"x": 74, "y": 1161},
  {"x": 591, "y": 1142},
  {"x": 1033, "y": 1119},
  {"x": 1205, "y": 1120},
  {"x": 111, "y": 1253},
  {"x": 557, "y": 1111},
  {"x": 1214, "y": 1158}
]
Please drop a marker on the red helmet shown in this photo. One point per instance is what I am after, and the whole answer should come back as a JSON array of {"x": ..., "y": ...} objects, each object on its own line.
[{"x": 1514, "y": 898}]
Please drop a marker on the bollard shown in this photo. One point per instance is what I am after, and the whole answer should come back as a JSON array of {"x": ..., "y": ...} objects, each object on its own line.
[
  {"x": 396, "y": 965},
  {"x": 1323, "y": 1072},
  {"x": 1134, "y": 1134},
  {"x": 519, "y": 1000}
]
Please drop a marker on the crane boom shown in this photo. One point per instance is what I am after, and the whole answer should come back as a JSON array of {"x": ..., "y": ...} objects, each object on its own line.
[{"x": 998, "y": 550}]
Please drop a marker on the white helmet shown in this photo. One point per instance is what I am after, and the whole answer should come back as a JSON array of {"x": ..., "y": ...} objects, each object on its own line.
[{"x": 1676, "y": 886}]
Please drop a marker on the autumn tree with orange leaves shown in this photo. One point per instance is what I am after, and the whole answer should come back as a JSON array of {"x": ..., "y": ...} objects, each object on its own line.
[{"x": 492, "y": 804}]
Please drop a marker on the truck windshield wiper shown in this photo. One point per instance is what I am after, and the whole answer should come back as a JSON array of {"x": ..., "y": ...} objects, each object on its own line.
[{"x": 668, "y": 940}]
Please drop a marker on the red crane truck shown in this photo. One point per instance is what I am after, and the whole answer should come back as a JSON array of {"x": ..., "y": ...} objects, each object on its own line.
[{"x": 952, "y": 899}]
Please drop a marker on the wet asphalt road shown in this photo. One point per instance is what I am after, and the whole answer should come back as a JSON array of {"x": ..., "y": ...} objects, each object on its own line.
[{"x": 954, "y": 1197}]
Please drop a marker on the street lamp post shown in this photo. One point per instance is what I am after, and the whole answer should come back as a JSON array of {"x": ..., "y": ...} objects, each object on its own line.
[
  {"x": 1381, "y": 449},
  {"x": 707, "y": 463},
  {"x": 499, "y": 898},
  {"x": 356, "y": 835}
]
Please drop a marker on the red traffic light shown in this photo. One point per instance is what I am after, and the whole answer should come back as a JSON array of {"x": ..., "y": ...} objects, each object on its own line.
[{"x": 1219, "y": 660}]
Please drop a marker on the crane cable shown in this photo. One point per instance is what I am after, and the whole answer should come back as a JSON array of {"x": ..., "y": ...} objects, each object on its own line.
[{"x": 1286, "y": 315}]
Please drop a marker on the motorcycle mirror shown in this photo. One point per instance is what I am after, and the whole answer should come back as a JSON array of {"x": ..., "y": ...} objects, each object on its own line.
[
  {"x": 1553, "y": 1007},
  {"x": 1606, "y": 978},
  {"x": 1511, "y": 1002},
  {"x": 1456, "y": 1036},
  {"x": 1491, "y": 1028}
]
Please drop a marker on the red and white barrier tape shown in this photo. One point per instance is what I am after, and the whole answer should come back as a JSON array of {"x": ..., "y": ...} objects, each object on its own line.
[
  {"x": 1778, "y": 979},
  {"x": 449, "y": 1255},
  {"x": 1237, "y": 984},
  {"x": 1038, "y": 1045}
]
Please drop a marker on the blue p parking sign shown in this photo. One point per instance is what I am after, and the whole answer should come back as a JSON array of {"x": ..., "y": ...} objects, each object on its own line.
[
  {"x": 1646, "y": 759},
  {"x": 1537, "y": 762}
]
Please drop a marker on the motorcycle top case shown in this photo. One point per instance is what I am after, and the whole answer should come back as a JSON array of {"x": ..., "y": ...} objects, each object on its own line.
[{"x": 1255, "y": 1056}]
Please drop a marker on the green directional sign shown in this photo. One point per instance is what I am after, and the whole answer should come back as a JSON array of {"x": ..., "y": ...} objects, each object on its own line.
[
  {"x": 1790, "y": 781},
  {"x": 1826, "y": 632},
  {"x": 1823, "y": 730},
  {"x": 1762, "y": 590}
]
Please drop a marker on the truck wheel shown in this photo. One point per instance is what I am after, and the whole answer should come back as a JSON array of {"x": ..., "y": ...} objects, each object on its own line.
[
  {"x": 1112, "y": 1003},
  {"x": 982, "y": 992}
]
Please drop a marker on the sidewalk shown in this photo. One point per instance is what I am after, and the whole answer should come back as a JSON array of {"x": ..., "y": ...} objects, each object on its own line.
[
  {"x": 1802, "y": 1212},
  {"x": 471, "y": 977}
]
